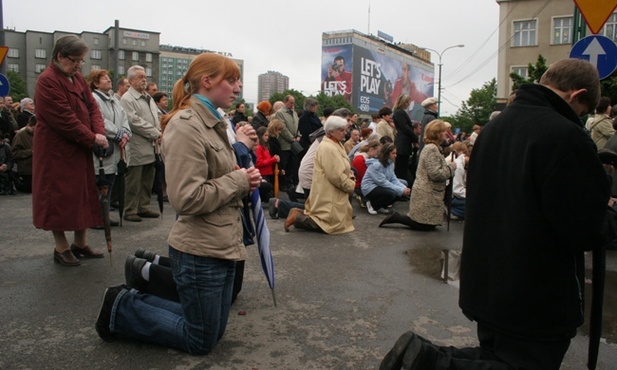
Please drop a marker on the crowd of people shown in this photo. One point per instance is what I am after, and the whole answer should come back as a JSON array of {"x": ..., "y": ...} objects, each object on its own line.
[{"x": 215, "y": 159}]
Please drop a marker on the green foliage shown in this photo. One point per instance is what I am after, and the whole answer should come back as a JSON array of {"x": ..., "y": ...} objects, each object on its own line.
[
  {"x": 608, "y": 87},
  {"x": 19, "y": 89},
  {"x": 478, "y": 108},
  {"x": 325, "y": 101},
  {"x": 534, "y": 72}
]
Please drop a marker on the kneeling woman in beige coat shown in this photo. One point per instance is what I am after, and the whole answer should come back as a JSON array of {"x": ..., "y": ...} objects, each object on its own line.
[
  {"x": 327, "y": 207},
  {"x": 427, "y": 193}
]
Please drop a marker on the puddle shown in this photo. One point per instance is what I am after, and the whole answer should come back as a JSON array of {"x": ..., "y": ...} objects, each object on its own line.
[{"x": 427, "y": 261}]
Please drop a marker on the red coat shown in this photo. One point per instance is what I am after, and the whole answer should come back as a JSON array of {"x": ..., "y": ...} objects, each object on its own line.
[
  {"x": 64, "y": 192},
  {"x": 265, "y": 162}
]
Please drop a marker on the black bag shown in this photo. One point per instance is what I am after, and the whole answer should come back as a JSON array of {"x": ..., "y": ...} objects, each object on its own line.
[{"x": 296, "y": 147}]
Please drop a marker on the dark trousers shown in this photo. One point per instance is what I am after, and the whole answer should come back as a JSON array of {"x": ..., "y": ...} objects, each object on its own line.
[
  {"x": 401, "y": 168},
  {"x": 24, "y": 183},
  {"x": 500, "y": 351},
  {"x": 265, "y": 191},
  {"x": 381, "y": 197},
  {"x": 163, "y": 285},
  {"x": 290, "y": 163},
  {"x": 286, "y": 164}
]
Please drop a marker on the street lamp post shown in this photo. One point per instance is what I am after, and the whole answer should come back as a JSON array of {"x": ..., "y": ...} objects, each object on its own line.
[{"x": 440, "y": 65}]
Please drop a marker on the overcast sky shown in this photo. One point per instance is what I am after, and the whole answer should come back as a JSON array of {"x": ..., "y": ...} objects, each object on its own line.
[{"x": 285, "y": 36}]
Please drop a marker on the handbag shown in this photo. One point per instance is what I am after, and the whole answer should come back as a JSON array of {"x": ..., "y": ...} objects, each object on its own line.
[{"x": 296, "y": 147}]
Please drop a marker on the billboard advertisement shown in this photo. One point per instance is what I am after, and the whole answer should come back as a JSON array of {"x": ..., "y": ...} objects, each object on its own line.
[
  {"x": 370, "y": 80},
  {"x": 336, "y": 71}
]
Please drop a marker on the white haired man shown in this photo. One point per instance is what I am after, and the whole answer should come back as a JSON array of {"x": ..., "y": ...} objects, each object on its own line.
[{"x": 144, "y": 122}]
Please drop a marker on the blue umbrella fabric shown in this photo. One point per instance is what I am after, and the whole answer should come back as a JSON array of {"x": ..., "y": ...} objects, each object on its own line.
[{"x": 263, "y": 240}]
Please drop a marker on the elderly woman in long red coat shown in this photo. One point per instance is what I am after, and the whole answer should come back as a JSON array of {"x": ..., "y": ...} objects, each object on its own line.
[{"x": 69, "y": 124}]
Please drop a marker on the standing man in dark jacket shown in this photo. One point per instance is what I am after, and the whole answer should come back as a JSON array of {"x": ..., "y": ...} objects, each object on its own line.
[
  {"x": 308, "y": 123},
  {"x": 522, "y": 263},
  {"x": 430, "y": 114},
  {"x": 404, "y": 140}
]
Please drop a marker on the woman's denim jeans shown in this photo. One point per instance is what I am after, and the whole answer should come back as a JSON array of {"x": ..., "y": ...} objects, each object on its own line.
[{"x": 197, "y": 323}]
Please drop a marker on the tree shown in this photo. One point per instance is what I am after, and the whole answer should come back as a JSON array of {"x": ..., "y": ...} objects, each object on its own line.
[
  {"x": 609, "y": 87},
  {"x": 324, "y": 101},
  {"x": 19, "y": 89},
  {"x": 478, "y": 108},
  {"x": 299, "y": 97},
  {"x": 534, "y": 72}
]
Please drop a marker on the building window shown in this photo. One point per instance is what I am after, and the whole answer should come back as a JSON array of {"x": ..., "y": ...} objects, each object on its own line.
[
  {"x": 121, "y": 70},
  {"x": 149, "y": 72},
  {"x": 524, "y": 33},
  {"x": 143, "y": 43},
  {"x": 13, "y": 53},
  {"x": 39, "y": 68},
  {"x": 148, "y": 57},
  {"x": 135, "y": 56},
  {"x": 95, "y": 54},
  {"x": 121, "y": 54},
  {"x": 96, "y": 41},
  {"x": 40, "y": 53},
  {"x": 562, "y": 30},
  {"x": 520, "y": 70},
  {"x": 124, "y": 41},
  {"x": 610, "y": 27},
  {"x": 13, "y": 67},
  {"x": 133, "y": 42},
  {"x": 95, "y": 66}
]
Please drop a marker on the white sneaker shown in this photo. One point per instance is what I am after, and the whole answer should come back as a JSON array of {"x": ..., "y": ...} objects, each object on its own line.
[
  {"x": 369, "y": 208},
  {"x": 384, "y": 211}
]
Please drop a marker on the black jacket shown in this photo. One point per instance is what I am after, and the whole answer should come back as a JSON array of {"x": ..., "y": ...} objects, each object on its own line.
[
  {"x": 536, "y": 199},
  {"x": 259, "y": 120},
  {"x": 405, "y": 138},
  {"x": 307, "y": 124},
  {"x": 239, "y": 117}
]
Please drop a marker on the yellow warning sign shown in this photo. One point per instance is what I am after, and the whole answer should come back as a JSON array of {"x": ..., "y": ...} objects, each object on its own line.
[
  {"x": 3, "y": 51},
  {"x": 596, "y": 12}
]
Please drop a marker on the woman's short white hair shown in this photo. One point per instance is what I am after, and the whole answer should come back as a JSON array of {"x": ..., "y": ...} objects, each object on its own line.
[{"x": 334, "y": 123}]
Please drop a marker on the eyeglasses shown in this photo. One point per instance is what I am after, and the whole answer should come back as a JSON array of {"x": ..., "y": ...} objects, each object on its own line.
[{"x": 76, "y": 61}]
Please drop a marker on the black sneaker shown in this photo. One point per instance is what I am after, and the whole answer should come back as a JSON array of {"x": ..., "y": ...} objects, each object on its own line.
[
  {"x": 104, "y": 319},
  {"x": 132, "y": 273}
]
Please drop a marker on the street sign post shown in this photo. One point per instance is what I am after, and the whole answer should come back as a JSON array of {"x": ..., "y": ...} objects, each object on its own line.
[
  {"x": 599, "y": 51},
  {"x": 5, "y": 88},
  {"x": 596, "y": 12}
]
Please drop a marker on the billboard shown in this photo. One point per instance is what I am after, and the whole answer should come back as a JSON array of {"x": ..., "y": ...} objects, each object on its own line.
[
  {"x": 336, "y": 71},
  {"x": 370, "y": 80}
]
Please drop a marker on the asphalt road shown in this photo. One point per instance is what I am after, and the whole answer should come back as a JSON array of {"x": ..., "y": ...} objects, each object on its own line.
[{"x": 342, "y": 300}]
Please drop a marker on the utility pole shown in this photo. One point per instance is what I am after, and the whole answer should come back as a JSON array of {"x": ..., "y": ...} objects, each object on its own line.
[{"x": 439, "y": 66}]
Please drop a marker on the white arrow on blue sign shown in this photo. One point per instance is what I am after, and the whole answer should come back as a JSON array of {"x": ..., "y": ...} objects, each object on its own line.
[
  {"x": 599, "y": 51},
  {"x": 5, "y": 88}
]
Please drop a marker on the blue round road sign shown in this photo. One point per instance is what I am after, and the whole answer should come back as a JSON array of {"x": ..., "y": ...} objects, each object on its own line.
[
  {"x": 4, "y": 85},
  {"x": 599, "y": 51}
]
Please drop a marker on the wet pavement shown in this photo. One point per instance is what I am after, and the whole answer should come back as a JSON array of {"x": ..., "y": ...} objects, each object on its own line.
[{"x": 342, "y": 300}]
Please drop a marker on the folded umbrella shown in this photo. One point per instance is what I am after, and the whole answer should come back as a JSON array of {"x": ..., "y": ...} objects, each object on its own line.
[
  {"x": 121, "y": 184},
  {"x": 103, "y": 186},
  {"x": 263, "y": 240},
  {"x": 159, "y": 178},
  {"x": 275, "y": 190}
]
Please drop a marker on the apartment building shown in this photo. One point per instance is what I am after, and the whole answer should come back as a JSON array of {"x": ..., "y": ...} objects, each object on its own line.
[{"x": 528, "y": 28}]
